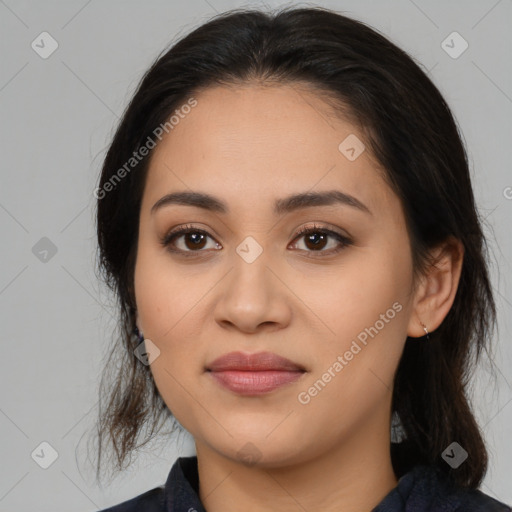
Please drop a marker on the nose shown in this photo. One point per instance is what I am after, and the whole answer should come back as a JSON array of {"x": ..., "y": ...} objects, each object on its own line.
[{"x": 253, "y": 296}]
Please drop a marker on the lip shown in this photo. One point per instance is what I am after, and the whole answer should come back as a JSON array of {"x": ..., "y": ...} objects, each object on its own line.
[
  {"x": 254, "y": 374},
  {"x": 260, "y": 361}
]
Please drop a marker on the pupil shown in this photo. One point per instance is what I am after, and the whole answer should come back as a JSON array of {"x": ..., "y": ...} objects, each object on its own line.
[
  {"x": 319, "y": 239},
  {"x": 196, "y": 238}
]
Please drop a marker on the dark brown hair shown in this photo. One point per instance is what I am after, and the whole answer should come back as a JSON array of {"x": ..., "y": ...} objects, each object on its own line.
[{"x": 408, "y": 128}]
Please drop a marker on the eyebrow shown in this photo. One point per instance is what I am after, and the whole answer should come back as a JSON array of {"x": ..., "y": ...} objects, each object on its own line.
[{"x": 281, "y": 206}]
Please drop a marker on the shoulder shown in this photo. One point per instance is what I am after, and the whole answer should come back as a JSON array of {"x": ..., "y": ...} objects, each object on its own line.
[
  {"x": 477, "y": 501},
  {"x": 429, "y": 488},
  {"x": 150, "y": 501}
]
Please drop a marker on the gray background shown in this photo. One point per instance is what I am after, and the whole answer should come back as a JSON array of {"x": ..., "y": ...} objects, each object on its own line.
[{"x": 57, "y": 118}]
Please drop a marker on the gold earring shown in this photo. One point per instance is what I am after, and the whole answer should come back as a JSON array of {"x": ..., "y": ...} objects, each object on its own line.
[{"x": 426, "y": 330}]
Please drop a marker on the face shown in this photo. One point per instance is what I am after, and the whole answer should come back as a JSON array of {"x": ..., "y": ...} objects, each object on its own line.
[{"x": 335, "y": 301}]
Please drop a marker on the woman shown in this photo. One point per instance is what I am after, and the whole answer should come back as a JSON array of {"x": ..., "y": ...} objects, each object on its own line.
[{"x": 286, "y": 216}]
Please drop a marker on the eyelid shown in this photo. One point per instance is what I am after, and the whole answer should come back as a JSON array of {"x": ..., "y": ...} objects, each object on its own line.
[
  {"x": 344, "y": 240},
  {"x": 183, "y": 230},
  {"x": 320, "y": 226}
]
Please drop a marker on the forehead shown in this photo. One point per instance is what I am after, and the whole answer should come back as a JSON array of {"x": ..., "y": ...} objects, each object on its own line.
[
  {"x": 256, "y": 120},
  {"x": 266, "y": 141}
]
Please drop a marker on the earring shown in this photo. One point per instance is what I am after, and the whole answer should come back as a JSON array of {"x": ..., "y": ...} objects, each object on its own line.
[{"x": 426, "y": 330}]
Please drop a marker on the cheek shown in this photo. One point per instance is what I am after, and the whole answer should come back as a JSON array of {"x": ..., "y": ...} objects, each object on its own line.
[
  {"x": 350, "y": 297},
  {"x": 177, "y": 387},
  {"x": 166, "y": 301},
  {"x": 164, "y": 292},
  {"x": 367, "y": 316},
  {"x": 355, "y": 371}
]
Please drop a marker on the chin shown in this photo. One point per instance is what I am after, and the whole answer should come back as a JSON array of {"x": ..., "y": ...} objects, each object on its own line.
[{"x": 262, "y": 451}]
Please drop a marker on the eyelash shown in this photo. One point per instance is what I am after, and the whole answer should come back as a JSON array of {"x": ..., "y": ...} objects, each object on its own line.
[{"x": 187, "y": 229}]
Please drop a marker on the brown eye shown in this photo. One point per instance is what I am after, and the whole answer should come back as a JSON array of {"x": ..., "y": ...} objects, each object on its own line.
[
  {"x": 194, "y": 240},
  {"x": 317, "y": 238},
  {"x": 188, "y": 240}
]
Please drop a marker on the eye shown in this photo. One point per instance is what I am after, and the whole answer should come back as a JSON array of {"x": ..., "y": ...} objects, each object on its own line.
[
  {"x": 193, "y": 243},
  {"x": 315, "y": 240}
]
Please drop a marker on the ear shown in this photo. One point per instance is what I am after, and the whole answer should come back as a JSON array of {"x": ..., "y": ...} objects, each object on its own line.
[{"x": 437, "y": 289}]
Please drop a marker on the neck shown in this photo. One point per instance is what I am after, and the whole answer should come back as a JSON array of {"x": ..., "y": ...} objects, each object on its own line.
[{"x": 354, "y": 477}]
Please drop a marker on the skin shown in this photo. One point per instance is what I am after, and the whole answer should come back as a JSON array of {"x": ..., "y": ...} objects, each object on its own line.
[{"x": 250, "y": 145}]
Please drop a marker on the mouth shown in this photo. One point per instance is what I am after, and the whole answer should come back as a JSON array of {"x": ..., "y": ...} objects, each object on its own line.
[{"x": 254, "y": 374}]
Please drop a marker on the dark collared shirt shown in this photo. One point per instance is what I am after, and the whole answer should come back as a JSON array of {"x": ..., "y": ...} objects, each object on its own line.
[{"x": 423, "y": 489}]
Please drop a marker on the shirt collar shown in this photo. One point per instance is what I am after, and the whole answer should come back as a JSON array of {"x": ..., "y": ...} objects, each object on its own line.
[
  {"x": 182, "y": 487},
  {"x": 422, "y": 489}
]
